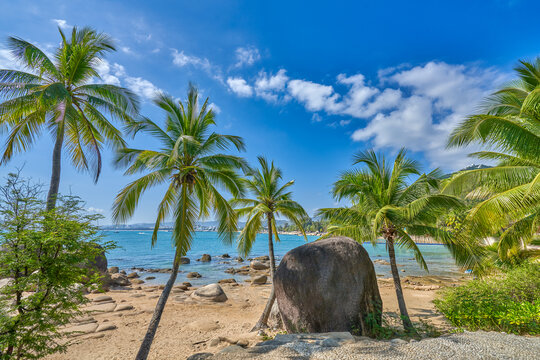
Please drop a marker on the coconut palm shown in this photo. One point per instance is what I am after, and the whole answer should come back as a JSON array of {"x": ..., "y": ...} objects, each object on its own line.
[
  {"x": 385, "y": 205},
  {"x": 56, "y": 94},
  {"x": 190, "y": 165},
  {"x": 271, "y": 200},
  {"x": 509, "y": 193}
]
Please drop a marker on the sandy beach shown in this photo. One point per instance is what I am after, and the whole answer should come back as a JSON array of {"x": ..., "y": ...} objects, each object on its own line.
[{"x": 190, "y": 328}]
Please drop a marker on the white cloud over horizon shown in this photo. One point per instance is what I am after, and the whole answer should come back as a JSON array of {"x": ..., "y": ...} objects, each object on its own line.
[{"x": 414, "y": 107}]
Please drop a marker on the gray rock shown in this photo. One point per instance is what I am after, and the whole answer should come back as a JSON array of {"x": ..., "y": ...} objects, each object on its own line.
[
  {"x": 257, "y": 265},
  {"x": 200, "y": 356},
  {"x": 100, "y": 261},
  {"x": 102, "y": 298},
  {"x": 398, "y": 341},
  {"x": 231, "y": 349},
  {"x": 150, "y": 277},
  {"x": 227, "y": 281},
  {"x": 113, "y": 270},
  {"x": 329, "y": 343},
  {"x": 132, "y": 275},
  {"x": 205, "y": 258},
  {"x": 119, "y": 279},
  {"x": 105, "y": 327},
  {"x": 184, "y": 260},
  {"x": 209, "y": 293},
  {"x": 328, "y": 285},
  {"x": 259, "y": 280},
  {"x": 193, "y": 275},
  {"x": 137, "y": 281}
]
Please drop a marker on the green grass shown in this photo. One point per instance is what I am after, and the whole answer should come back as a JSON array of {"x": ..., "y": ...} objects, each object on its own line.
[{"x": 508, "y": 302}]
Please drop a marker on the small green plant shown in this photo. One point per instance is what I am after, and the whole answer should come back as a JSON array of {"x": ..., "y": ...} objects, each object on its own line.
[
  {"x": 391, "y": 327},
  {"x": 508, "y": 302}
]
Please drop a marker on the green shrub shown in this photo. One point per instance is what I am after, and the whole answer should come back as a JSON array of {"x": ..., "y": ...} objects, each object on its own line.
[
  {"x": 509, "y": 302},
  {"x": 46, "y": 258}
]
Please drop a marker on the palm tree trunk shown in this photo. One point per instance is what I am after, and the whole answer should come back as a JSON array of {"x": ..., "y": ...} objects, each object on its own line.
[
  {"x": 263, "y": 320},
  {"x": 407, "y": 324},
  {"x": 56, "y": 166},
  {"x": 160, "y": 306}
]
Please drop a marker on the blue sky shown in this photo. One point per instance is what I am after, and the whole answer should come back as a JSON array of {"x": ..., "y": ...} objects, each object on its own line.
[{"x": 307, "y": 84}]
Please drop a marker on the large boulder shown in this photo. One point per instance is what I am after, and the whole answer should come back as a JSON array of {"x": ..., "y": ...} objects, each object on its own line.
[{"x": 328, "y": 285}]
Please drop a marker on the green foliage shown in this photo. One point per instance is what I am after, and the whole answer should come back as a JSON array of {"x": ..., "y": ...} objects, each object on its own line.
[
  {"x": 47, "y": 258},
  {"x": 507, "y": 302},
  {"x": 508, "y": 195},
  {"x": 190, "y": 163},
  {"x": 391, "y": 329},
  {"x": 385, "y": 204},
  {"x": 309, "y": 225},
  {"x": 55, "y": 94},
  {"x": 271, "y": 199}
]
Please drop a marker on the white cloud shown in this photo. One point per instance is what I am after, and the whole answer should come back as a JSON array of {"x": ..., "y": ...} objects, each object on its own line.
[
  {"x": 247, "y": 56},
  {"x": 441, "y": 95},
  {"x": 142, "y": 87},
  {"x": 115, "y": 74},
  {"x": 414, "y": 107},
  {"x": 180, "y": 59},
  {"x": 215, "y": 108},
  {"x": 95, "y": 210},
  {"x": 315, "y": 97},
  {"x": 240, "y": 86},
  {"x": 127, "y": 50},
  {"x": 62, "y": 24},
  {"x": 269, "y": 86}
]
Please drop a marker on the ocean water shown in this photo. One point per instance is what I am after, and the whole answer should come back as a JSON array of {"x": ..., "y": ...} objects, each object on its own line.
[{"x": 135, "y": 250}]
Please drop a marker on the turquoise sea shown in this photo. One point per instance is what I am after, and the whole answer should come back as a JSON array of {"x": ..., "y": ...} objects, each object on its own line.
[{"x": 134, "y": 250}]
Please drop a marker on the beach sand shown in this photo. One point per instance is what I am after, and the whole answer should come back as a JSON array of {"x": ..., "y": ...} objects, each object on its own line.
[{"x": 190, "y": 328}]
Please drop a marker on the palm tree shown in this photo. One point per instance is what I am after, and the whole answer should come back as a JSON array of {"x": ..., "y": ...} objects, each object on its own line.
[
  {"x": 57, "y": 95},
  {"x": 271, "y": 200},
  {"x": 189, "y": 162},
  {"x": 509, "y": 193},
  {"x": 385, "y": 205}
]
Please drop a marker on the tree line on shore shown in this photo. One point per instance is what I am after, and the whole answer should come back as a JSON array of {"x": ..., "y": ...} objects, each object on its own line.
[{"x": 389, "y": 198}]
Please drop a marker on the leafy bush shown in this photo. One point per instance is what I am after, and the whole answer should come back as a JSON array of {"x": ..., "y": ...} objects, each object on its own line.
[
  {"x": 46, "y": 257},
  {"x": 509, "y": 302}
]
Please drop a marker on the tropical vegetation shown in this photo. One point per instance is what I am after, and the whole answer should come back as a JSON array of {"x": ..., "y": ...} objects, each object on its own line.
[
  {"x": 502, "y": 302},
  {"x": 55, "y": 93},
  {"x": 47, "y": 260},
  {"x": 271, "y": 199},
  {"x": 385, "y": 205},
  {"x": 190, "y": 163},
  {"x": 507, "y": 195}
]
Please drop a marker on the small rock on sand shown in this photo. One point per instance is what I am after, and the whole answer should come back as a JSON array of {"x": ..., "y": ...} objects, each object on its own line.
[
  {"x": 227, "y": 281},
  {"x": 124, "y": 307},
  {"x": 257, "y": 265},
  {"x": 105, "y": 327},
  {"x": 209, "y": 293},
  {"x": 101, "y": 298},
  {"x": 259, "y": 280}
]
